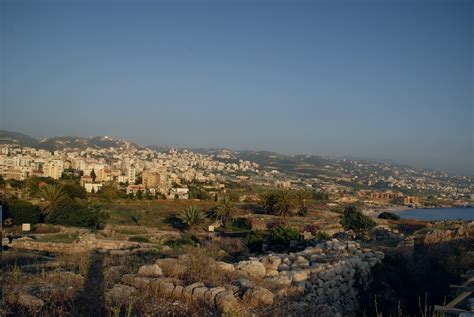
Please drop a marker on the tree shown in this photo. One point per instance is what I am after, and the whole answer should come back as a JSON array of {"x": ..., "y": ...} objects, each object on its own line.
[
  {"x": 22, "y": 212},
  {"x": 225, "y": 210},
  {"x": 72, "y": 213},
  {"x": 302, "y": 197},
  {"x": 353, "y": 219},
  {"x": 74, "y": 190},
  {"x": 53, "y": 195},
  {"x": 93, "y": 175},
  {"x": 191, "y": 216},
  {"x": 284, "y": 203},
  {"x": 268, "y": 200}
]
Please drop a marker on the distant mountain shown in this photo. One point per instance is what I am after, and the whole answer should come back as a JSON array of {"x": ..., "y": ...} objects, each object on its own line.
[
  {"x": 7, "y": 137},
  {"x": 58, "y": 143}
]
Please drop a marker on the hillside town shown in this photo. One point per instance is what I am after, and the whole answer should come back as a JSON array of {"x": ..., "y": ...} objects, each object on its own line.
[{"x": 168, "y": 173}]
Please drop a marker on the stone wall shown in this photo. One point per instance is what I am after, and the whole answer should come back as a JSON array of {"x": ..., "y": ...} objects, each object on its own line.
[
  {"x": 86, "y": 242},
  {"x": 329, "y": 275}
]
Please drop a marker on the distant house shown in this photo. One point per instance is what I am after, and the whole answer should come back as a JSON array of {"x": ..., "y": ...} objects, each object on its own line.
[
  {"x": 180, "y": 193},
  {"x": 134, "y": 189},
  {"x": 89, "y": 187}
]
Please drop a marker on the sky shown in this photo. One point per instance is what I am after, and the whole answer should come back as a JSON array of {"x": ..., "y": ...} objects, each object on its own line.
[{"x": 383, "y": 80}]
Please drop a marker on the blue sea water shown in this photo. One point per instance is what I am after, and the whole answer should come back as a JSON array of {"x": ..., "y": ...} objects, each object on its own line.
[{"x": 431, "y": 214}]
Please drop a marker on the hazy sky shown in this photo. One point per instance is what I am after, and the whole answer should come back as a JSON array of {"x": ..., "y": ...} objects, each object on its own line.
[{"x": 379, "y": 79}]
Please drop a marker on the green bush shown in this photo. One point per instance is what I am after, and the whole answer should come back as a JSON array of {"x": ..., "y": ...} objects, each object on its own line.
[
  {"x": 322, "y": 236},
  {"x": 237, "y": 224},
  {"x": 138, "y": 239},
  {"x": 255, "y": 241},
  {"x": 389, "y": 216},
  {"x": 353, "y": 219},
  {"x": 186, "y": 240},
  {"x": 23, "y": 212},
  {"x": 75, "y": 190},
  {"x": 280, "y": 238},
  {"x": 74, "y": 214}
]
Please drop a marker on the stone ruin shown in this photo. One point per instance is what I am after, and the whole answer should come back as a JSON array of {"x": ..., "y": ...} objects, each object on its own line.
[{"x": 328, "y": 276}]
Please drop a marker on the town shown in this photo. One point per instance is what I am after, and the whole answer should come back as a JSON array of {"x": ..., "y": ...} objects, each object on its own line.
[{"x": 144, "y": 172}]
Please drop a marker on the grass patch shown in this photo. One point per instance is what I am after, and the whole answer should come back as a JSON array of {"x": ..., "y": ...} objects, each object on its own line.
[
  {"x": 59, "y": 238},
  {"x": 131, "y": 231},
  {"x": 139, "y": 239}
]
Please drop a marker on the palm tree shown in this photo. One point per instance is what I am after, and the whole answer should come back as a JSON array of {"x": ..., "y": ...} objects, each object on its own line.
[
  {"x": 53, "y": 195},
  {"x": 268, "y": 200},
  {"x": 225, "y": 210},
  {"x": 191, "y": 216},
  {"x": 284, "y": 203},
  {"x": 302, "y": 197}
]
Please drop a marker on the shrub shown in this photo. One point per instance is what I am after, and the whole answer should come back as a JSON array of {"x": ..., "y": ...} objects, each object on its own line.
[
  {"x": 280, "y": 238},
  {"x": 186, "y": 240},
  {"x": 74, "y": 190},
  {"x": 45, "y": 228},
  {"x": 23, "y": 212},
  {"x": 353, "y": 219},
  {"x": 238, "y": 224},
  {"x": 389, "y": 216},
  {"x": 71, "y": 213},
  {"x": 322, "y": 236},
  {"x": 139, "y": 239},
  {"x": 191, "y": 216},
  {"x": 255, "y": 241}
]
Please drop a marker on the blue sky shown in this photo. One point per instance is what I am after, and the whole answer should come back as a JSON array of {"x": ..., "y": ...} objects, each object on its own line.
[{"x": 373, "y": 79}]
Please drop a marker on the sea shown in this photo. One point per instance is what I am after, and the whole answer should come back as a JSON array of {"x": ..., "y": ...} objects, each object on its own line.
[{"x": 432, "y": 214}]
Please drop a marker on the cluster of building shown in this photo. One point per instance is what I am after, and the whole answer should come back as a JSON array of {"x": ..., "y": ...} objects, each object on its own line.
[{"x": 139, "y": 169}]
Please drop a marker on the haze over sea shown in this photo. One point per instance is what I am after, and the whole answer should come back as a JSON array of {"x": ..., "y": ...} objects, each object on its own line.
[{"x": 431, "y": 214}]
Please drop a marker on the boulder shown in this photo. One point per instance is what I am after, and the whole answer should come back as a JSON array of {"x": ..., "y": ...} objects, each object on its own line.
[
  {"x": 299, "y": 276},
  {"x": 226, "y": 302},
  {"x": 32, "y": 303},
  {"x": 271, "y": 262},
  {"x": 188, "y": 290},
  {"x": 258, "y": 296},
  {"x": 120, "y": 294},
  {"x": 211, "y": 294},
  {"x": 252, "y": 268},
  {"x": 153, "y": 270},
  {"x": 225, "y": 267},
  {"x": 199, "y": 293}
]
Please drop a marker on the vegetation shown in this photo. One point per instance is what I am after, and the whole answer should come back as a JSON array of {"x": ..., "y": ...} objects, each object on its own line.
[
  {"x": 53, "y": 195},
  {"x": 191, "y": 216},
  {"x": 280, "y": 237},
  {"x": 268, "y": 200},
  {"x": 284, "y": 203},
  {"x": 353, "y": 219},
  {"x": 74, "y": 214},
  {"x": 69, "y": 237},
  {"x": 389, "y": 216},
  {"x": 255, "y": 241},
  {"x": 22, "y": 212},
  {"x": 139, "y": 239},
  {"x": 225, "y": 210},
  {"x": 302, "y": 198}
]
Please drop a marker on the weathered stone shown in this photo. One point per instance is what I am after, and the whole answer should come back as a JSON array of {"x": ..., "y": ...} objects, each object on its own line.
[
  {"x": 120, "y": 294},
  {"x": 252, "y": 268},
  {"x": 271, "y": 262},
  {"x": 153, "y": 270},
  {"x": 245, "y": 283},
  {"x": 226, "y": 302},
  {"x": 199, "y": 293},
  {"x": 188, "y": 290},
  {"x": 298, "y": 276},
  {"x": 141, "y": 282},
  {"x": 32, "y": 303},
  {"x": 177, "y": 292},
  {"x": 271, "y": 273},
  {"x": 225, "y": 267},
  {"x": 211, "y": 294},
  {"x": 259, "y": 296}
]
